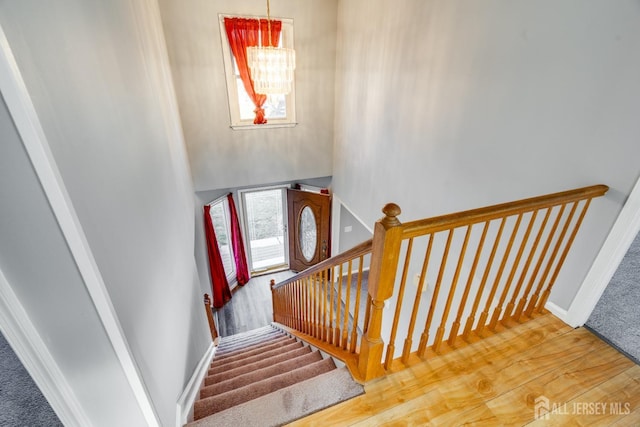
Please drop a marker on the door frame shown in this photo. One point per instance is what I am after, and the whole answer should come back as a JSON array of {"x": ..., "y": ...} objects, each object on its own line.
[{"x": 243, "y": 220}]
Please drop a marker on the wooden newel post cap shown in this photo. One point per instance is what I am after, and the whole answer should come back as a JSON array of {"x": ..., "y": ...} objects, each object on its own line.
[
  {"x": 391, "y": 212},
  {"x": 272, "y": 283},
  {"x": 206, "y": 299}
]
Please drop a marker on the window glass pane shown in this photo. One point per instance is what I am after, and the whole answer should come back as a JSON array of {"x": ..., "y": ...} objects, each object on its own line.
[
  {"x": 223, "y": 235},
  {"x": 275, "y": 106},
  {"x": 265, "y": 228}
]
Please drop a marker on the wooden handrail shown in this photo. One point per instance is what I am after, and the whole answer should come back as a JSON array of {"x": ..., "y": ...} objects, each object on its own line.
[
  {"x": 474, "y": 216},
  {"x": 511, "y": 261},
  {"x": 362, "y": 249}
]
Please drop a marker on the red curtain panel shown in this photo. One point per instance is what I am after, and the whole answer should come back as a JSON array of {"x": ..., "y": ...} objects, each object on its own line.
[
  {"x": 242, "y": 271},
  {"x": 243, "y": 33},
  {"x": 219, "y": 285}
]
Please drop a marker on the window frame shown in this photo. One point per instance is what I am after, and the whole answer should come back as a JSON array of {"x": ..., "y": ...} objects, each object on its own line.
[
  {"x": 231, "y": 81},
  {"x": 232, "y": 277}
]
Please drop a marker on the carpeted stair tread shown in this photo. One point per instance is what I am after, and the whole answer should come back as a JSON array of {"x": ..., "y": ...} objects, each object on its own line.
[
  {"x": 260, "y": 374},
  {"x": 235, "y": 339},
  {"x": 221, "y": 367},
  {"x": 224, "y": 353},
  {"x": 223, "y": 376},
  {"x": 211, "y": 405},
  {"x": 251, "y": 333},
  {"x": 225, "y": 348},
  {"x": 253, "y": 350},
  {"x": 289, "y": 403}
]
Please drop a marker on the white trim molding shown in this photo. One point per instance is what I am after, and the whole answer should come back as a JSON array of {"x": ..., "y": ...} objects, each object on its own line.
[
  {"x": 607, "y": 261},
  {"x": 185, "y": 402},
  {"x": 36, "y": 145},
  {"x": 32, "y": 351}
]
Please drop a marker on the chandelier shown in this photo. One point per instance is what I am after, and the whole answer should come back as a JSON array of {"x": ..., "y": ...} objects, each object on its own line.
[{"x": 271, "y": 67}]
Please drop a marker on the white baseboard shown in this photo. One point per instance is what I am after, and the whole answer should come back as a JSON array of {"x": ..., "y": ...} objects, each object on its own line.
[
  {"x": 560, "y": 313},
  {"x": 188, "y": 396},
  {"x": 32, "y": 351}
]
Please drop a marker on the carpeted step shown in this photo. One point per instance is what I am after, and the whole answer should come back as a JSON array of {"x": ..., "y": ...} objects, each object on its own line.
[
  {"x": 289, "y": 403},
  {"x": 253, "y": 350},
  {"x": 223, "y": 376},
  {"x": 260, "y": 374},
  {"x": 211, "y": 405},
  {"x": 225, "y": 347},
  {"x": 242, "y": 335},
  {"x": 225, "y": 366}
]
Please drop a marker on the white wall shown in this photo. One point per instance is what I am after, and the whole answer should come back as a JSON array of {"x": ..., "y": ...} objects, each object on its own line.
[
  {"x": 449, "y": 105},
  {"x": 42, "y": 273},
  {"x": 221, "y": 157},
  {"x": 98, "y": 76}
]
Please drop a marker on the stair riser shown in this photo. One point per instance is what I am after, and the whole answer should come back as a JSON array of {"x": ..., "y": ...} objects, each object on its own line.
[
  {"x": 218, "y": 368},
  {"x": 260, "y": 374},
  {"x": 216, "y": 378},
  {"x": 232, "y": 346},
  {"x": 211, "y": 405},
  {"x": 254, "y": 349}
]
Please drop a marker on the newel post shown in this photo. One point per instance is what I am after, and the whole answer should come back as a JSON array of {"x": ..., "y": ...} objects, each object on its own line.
[
  {"x": 212, "y": 324},
  {"x": 272, "y": 283},
  {"x": 387, "y": 237}
]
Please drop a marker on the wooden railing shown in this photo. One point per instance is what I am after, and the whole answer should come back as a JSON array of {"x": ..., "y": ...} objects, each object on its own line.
[
  {"x": 212, "y": 323},
  {"x": 447, "y": 281}
]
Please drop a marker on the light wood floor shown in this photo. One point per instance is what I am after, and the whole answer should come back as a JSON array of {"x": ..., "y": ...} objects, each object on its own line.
[{"x": 496, "y": 382}]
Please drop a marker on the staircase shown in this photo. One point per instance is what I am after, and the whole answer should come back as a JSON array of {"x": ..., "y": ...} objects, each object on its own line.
[{"x": 257, "y": 377}]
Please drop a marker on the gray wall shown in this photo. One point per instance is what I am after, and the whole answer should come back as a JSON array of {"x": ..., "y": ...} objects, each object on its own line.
[
  {"x": 98, "y": 76},
  {"x": 41, "y": 271},
  {"x": 221, "y": 157},
  {"x": 449, "y": 105}
]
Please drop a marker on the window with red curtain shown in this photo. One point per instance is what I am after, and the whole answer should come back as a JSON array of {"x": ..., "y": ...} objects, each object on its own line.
[{"x": 243, "y": 33}]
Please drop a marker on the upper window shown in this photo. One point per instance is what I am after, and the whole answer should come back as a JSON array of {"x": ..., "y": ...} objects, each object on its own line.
[{"x": 279, "y": 110}]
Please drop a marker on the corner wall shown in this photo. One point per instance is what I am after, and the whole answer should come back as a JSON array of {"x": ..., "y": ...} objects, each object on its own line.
[{"x": 446, "y": 105}]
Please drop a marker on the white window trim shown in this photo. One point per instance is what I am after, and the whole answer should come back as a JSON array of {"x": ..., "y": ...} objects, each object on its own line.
[
  {"x": 232, "y": 278},
  {"x": 232, "y": 94},
  {"x": 243, "y": 220}
]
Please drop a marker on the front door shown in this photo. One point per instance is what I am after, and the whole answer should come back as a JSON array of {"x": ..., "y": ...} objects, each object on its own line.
[{"x": 309, "y": 216}]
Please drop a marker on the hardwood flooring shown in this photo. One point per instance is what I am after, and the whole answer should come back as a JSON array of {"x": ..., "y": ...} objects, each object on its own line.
[
  {"x": 499, "y": 381},
  {"x": 250, "y": 306},
  {"x": 494, "y": 382}
]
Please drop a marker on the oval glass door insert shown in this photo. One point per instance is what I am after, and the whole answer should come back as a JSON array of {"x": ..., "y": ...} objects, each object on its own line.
[{"x": 308, "y": 233}]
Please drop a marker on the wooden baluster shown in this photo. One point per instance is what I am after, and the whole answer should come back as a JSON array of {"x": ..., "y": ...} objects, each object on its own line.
[
  {"x": 476, "y": 302},
  {"x": 325, "y": 298},
  {"x": 331, "y": 306},
  {"x": 307, "y": 305},
  {"x": 454, "y": 284},
  {"x": 408, "y": 341},
  {"x": 336, "y": 338},
  {"x": 212, "y": 323},
  {"x": 367, "y": 314},
  {"x": 455, "y": 327},
  {"x": 552, "y": 258},
  {"x": 496, "y": 283},
  {"x": 576, "y": 227},
  {"x": 298, "y": 303},
  {"x": 345, "y": 328},
  {"x": 519, "y": 311},
  {"x": 356, "y": 310},
  {"x": 387, "y": 238},
  {"x": 424, "y": 338},
  {"x": 316, "y": 306},
  {"x": 507, "y": 286},
  {"x": 509, "y": 310},
  {"x": 391, "y": 347}
]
